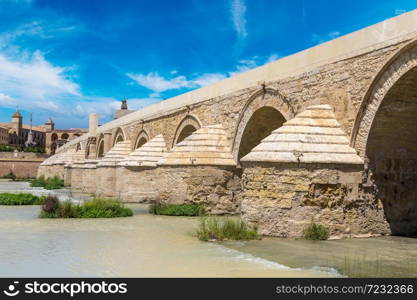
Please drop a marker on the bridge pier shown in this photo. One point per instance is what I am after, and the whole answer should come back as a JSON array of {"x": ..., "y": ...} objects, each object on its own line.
[
  {"x": 201, "y": 170},
  {"x": 306, "y": 172},
  {"x": 138, "y": 175},
  {"x": 106, "y": 169}
]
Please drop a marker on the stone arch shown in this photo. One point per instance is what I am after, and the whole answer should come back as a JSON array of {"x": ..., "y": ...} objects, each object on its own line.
[
  {"x": 54, "y": 137},
  {"x": 64, "y": 136},
  {"x": 265, "y": 102},
  {"x": 400, "y": 63},
  {"x": 186, "y": 127},
  {"x": 385, "y": 134},
  {"x": 53, "y": 148},
  {"x": 141, "y": 139},
  {"x": 119, "y": 136},
  {"x": 100, "y": 148}
]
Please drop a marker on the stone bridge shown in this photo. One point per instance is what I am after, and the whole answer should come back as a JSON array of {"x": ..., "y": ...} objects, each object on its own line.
[{"x": 327, "y": 135}]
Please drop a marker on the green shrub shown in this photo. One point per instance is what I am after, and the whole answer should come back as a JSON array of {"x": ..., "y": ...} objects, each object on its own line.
[
  {"x": 29, "y": 179},
  {"x": 51, "y": 183},
  {"x": 103, "y": 208},
  {"x": 34, "y": 149},
  {"x": 316, "y": 232},
  {"x": 188, "y": 210},
  {"x": 96, "y": 208},
  {"x": 7, "y": 148},
  {"x": 227, "y": 229},
  {"x": 50, "y": 204},
  {"x": 20, "y": 199},
  {"x": 10, "y": 175}
]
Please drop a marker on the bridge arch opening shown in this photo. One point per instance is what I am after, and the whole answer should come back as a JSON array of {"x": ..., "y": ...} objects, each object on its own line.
[
  {"x": 391, "y": 155},
  {"x": 141, "y": 139},
  {"x": 185, "y": 132},
  {"x": 187, "y": 126},
  {"x": 100, "y": 153},
  {"x": 262, "y": 122},
  {"x": 53, "y": 148},
  {"x": 118, "y": 137}
]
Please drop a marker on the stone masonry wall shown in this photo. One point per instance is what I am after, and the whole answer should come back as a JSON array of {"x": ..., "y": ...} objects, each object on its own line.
[
  {"x": 76, "y": 178},
  {"x": 218, "y": 189},
  {"x": 137, "y": 184},
  {"x": 67, "y": 175},
  {"x": 342, "y": 84},
  {"x": 89, "y": 180},
  {"x": 281, "y": 200},
  {"x": 20, "y": 167},
  {"x": 106, "y": 181},
  {"x": 52, "y": 171}
]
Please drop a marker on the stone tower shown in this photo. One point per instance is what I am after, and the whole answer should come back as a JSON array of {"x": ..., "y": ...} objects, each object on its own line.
[
  {"x": 49, "y": 125},
  {"x": 17, "y": 128},
  {"x": 124, "y": 104},
  {"x": 123, "y": 110}
]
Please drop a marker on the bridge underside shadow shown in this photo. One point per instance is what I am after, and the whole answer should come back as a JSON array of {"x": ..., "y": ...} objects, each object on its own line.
[
  {"x": 392, "y": 155},
  {"x": 260, "y": 125}
]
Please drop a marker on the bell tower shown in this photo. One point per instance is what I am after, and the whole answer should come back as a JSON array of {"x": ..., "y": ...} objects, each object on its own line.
[
  {"x": 17, "y": 127},
  {"x": 49, "y": 125}
]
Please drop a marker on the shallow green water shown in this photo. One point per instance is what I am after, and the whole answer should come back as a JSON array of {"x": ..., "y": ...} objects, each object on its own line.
[
  {"x": 159, "y": 246},
  {"x": 368, "y": 257},
  {"x": 140, "y": 246}
]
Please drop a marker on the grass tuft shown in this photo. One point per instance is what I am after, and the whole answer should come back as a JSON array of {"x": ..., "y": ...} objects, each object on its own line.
[
  {"x": 20, "y": 199},
  {"x": 212, "y": 228},
  {"x": 10, "y": 175},
  {"x": 96, "y": 208},
  {"x": 188, "y": 210},
  {"x": 51, "y": 183},
  {"x": 316, "y": 232}
]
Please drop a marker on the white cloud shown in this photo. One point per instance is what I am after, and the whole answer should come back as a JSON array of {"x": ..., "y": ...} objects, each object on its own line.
[
  {"x": 238, "y": 11},
  {"x": 106, "y": 107},
  {"x": 319, "y": 38},
  {"x": 34, "y": 29},
  {"x": 29, "y": 80},
  {"x": 334, "y": 34},
  {"x": 158, "y": 84},
  {"x": 207, "y": 79},
  {"x": 244, "y": 65},
  {"x": 6, "y": 100},
  {"x": 35, "y": 84},
  {"x": 32, "y": 79},
  {"x": 272, "y": 57}
]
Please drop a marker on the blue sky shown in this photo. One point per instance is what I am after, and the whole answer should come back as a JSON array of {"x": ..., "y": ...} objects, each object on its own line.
[{"x": 69, "y": 58}]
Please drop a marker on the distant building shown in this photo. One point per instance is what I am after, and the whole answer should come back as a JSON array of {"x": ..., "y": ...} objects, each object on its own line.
[
  {"x": 17, "y": 134},
  {"x": 123, "y": 110},
  {"x": 4, "y": 136}
]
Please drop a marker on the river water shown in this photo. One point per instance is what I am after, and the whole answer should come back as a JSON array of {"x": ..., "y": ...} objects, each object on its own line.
[{"x": 158, "y": 246}]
